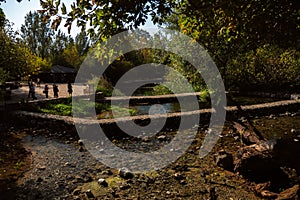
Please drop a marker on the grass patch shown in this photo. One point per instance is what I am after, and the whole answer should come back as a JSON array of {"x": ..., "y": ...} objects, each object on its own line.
[{"x": 83, "y": 108}]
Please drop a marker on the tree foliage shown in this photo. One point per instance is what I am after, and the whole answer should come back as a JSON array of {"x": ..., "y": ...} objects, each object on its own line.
[
  {"x": 106, "y": 17},
  {"x": 37, "y": 34},
  {"x": 16, "y": 59},
  {"x": 247, "y": 39}
]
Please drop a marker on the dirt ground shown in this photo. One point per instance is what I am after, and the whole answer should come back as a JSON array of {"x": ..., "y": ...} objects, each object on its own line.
[
  {"x": 46, "y": 164},
  {"x": 21, "y": 93}
]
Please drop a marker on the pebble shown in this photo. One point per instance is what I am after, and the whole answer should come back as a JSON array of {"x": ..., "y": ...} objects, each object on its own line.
[
  {"x": 293, "y": 130},
  {"x": 162, "y": 138},
  {"x": 102, "y": 181},
  {"x": 178, "y": 176},
  {"x": 89, "y": 194},
  {"x": 107, "y": 172},
  {"x": 81, "y": 149},
  {"x": 80, "y": 142},
  {"x": 125, "y": 173},
  {"x": 39, "y": 179},
  {"x": 42, "y": 167},
  {"x": 124, "y": 187}
]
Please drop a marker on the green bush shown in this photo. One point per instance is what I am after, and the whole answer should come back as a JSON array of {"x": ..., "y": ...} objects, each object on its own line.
[{"x": 268, "y": 66}]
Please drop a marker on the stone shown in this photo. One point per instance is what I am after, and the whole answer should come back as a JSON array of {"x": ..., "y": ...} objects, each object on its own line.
[
  {"x": 89, "y": 194},
  {"x": 295, "y": 97},
  {"x": 39, "y": 179},
  {"x": 42, "y": 167},
  {"x": 107, "y": 172},
  {"x": 102, "y": 181},
  {"x": 225, "y": 160},
  {"x": 124, "y": 187},
  {"x": 178, "y": 176},
  {"x": 294, "y": 131},
  {"x": 162, "y": 138},
  {"x": 81, "y": 149},
  {"x": 80, "y": 142},
  {"x": 125, "y": 173}
]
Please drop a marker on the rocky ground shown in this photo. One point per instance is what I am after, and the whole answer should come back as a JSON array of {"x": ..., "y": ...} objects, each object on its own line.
[{"x": 44, "y": 164}]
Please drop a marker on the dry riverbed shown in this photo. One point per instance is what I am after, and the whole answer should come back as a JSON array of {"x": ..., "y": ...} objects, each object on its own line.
[{"x": 57, "y": 167}]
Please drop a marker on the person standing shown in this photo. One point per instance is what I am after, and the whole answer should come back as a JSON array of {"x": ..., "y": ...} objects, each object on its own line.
[
  {"x": 38, "y": 81},
  {"x": 55, "y": 90},
  {"x": 29, "y": 87},
  {"x": 70, "y": 89},
  {"x": 46, "y": 90},
  {"x": 32, "y": 91}
]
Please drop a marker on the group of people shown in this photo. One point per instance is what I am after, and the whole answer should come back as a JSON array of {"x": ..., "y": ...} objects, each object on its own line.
[{"x": 55, "y": 89}]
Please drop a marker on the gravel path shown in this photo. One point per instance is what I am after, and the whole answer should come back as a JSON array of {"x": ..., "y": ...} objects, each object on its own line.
[{"x": 57, "y": 168}]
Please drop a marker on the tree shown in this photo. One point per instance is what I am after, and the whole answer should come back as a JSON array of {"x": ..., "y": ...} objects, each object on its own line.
[
  {"x": 16, "y": 60},
  {"x": 227, "y": 29},
  {"x": 37, "y": 34}
]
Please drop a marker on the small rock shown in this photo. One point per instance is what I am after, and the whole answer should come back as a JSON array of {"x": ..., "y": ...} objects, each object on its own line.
[
  {"x": 224, "y": 160},
  {"x": 178, "y": 176},
  {"x": 76, "y": 192},
  {"x": 183, "y": 182},
  {"x": 124, "y": 187},
  {"x": 102, "y": 181},
  {"x": 42, "y": 167},
  {"x": 294, "y": 131},
  {"x": 87, "y": 179},
  {"x": 76, "y": 198},
  {"x": 125, "y": 173},
  {"x": 81, "y": 149},
  {"x": 294, "y": 114},
  {"x": 287, "y": 113},
  {"x": 89, "y": 194},
  {"x": 107, "y": 172},
  {"x": 271, "y": 116},
  {"x": 296, "y": 140},
  {"x": 80, "y": 142},
  {"x": 162, "y": 138},
  {"x": 79, "y": 179},
  {"x": 39, "y": 179},
  {"x": 168, "y": 192}
]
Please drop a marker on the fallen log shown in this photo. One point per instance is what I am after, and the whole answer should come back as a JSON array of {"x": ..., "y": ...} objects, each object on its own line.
[
  {"x": 244, "y": 114},
  {"x": 257, "y": 163},
  {"x": 248, "y": 136}
]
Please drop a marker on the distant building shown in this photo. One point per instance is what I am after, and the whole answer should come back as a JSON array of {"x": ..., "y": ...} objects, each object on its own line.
[{"x": 58, "y": 74}]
